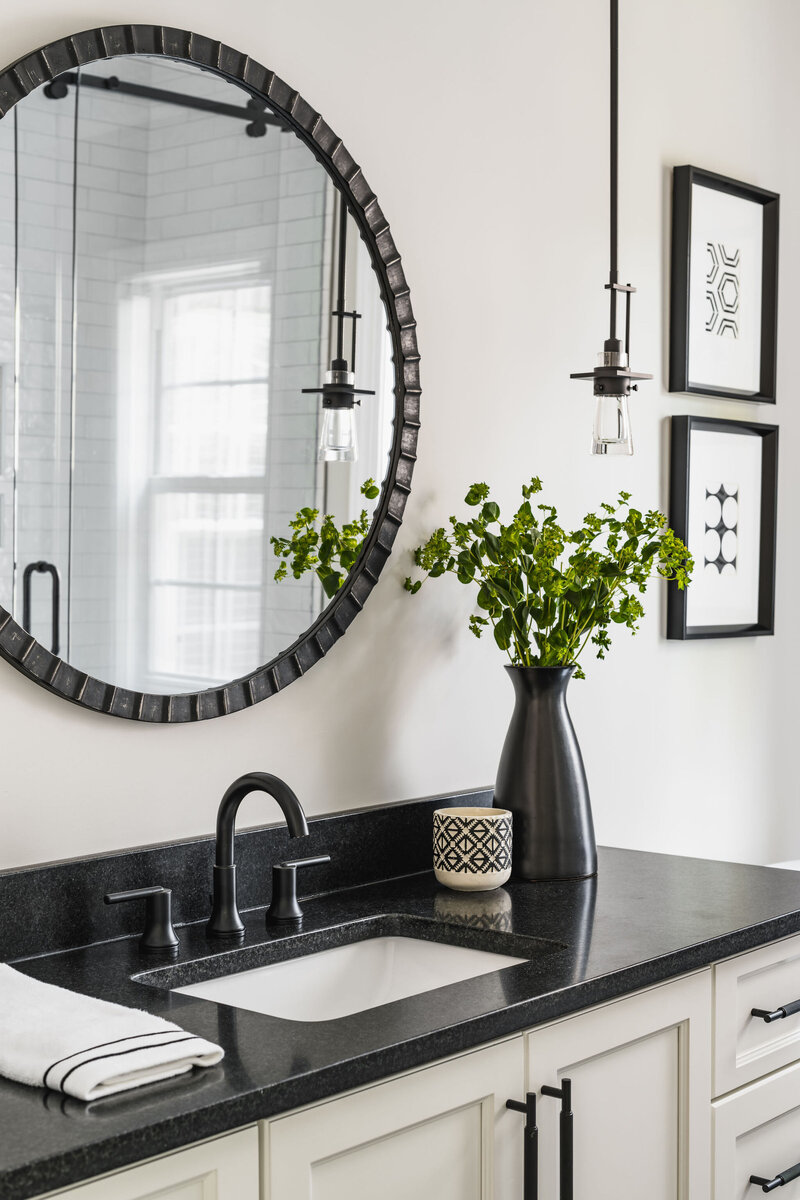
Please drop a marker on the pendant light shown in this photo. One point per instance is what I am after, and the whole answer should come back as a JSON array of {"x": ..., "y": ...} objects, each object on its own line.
[
  {"x": 612, "y": 376},
  {"x": 338, "y": 441}
]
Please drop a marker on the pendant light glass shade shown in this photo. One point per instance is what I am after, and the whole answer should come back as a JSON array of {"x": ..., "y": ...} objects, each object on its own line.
[
  {"x": 612, "y": 426},
  {"x": 337, "y": 440}
]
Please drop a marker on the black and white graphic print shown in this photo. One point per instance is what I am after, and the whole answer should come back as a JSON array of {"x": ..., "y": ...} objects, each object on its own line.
[
  {"x": 722, "y": 290},
  {"x": 721, "y": 544},
  {"x": 466, "y": 844}
]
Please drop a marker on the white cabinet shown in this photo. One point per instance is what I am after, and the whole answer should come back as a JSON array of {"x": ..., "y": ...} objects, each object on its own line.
[
  {"x": 757, "y": 1132},
  {"x": 747, "y": 1046},
  {"x": 641, "y": 1078},
  {"x": 225, "y": 1168},
  {"x": 756, "y": 1115},
  {"x": 641, "y": 1083},
  {"x": 442, "y": 1132}
]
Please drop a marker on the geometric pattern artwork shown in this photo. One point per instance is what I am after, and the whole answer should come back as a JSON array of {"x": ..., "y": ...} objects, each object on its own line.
[
  {"x": 721, "y": 544},
  {"x": 722, "y": 290},
  {"x": 470, "y": 845}
]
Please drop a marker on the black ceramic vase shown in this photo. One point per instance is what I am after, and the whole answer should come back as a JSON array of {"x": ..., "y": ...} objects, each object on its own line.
[{"x": 541, "y": 780}]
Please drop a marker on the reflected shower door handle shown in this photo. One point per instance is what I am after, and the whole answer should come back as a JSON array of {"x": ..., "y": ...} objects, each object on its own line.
[{"x": 52, "y": 570}]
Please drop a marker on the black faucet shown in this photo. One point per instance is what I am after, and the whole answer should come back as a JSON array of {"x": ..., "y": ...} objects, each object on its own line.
[{"x": 225, "y": 920}]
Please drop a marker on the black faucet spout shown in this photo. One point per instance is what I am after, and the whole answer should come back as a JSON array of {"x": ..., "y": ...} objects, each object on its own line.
[
  {"x": 255, "y": 781},
  {"x": 225, "y": 920}
]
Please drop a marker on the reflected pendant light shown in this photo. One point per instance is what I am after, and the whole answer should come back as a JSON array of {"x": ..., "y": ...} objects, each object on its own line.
[
  {"x": 338, "y": 440},
  {"x": 612, "y": 377}
]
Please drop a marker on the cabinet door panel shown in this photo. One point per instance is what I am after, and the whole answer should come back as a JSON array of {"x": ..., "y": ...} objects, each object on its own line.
[
  {"x": 746, "y": 1046},
  {"x": 641, "y": 1085},
  {"x": 757, "y": 1132},
  {"x": 223, "y": 1169},
  {"x": 439, "y": 1132}
]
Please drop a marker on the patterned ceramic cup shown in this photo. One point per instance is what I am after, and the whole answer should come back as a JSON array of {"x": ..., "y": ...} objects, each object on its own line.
[{"x": 472, "y": 848}]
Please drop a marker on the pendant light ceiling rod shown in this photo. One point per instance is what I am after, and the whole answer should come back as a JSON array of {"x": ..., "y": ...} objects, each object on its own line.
[
  {"x": 613, "y": 271},
  {"x": 340, "y": 296}
]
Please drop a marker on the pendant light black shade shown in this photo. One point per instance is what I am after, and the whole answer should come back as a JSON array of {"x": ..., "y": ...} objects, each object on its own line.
[{"x": 612, "y": 377}]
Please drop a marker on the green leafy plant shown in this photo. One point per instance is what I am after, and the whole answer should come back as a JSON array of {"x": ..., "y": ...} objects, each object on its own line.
[
  {"x": 321, "y": 547},
  {"x": 545, "y": 592}
]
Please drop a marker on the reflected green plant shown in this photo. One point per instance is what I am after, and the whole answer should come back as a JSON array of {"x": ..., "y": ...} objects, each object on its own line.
[
  {"x": 323, "y": 548},
  {"x": 546, "y": 592}
]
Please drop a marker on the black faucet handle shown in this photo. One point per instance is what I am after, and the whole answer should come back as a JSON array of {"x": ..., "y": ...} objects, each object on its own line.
[
  {"x": 158, "y": 931},
  {"x": 284, "y": 906},
  {"x": 305, "y": 862}
]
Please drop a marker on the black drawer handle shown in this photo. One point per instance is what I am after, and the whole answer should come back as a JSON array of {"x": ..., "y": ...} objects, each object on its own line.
[
  {"x": 531, "y": 1146},
  {"x": 565, "y": 1158},
  {"x": 776, "y": 1014},
  {"x": 769, "y": 1185}
]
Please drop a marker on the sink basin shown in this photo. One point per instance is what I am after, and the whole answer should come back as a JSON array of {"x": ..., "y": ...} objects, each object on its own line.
[{"x": 349, "y": 979}]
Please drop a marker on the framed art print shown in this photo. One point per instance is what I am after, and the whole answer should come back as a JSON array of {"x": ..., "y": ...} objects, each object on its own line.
[
  {"x": 724, "y": 300},
  {"x": 723, "y": 502}
]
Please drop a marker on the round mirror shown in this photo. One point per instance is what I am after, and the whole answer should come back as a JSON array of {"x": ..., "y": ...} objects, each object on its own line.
[{"x": 209, "y": 386}]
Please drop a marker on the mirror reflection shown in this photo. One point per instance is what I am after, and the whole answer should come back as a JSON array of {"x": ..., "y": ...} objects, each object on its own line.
[{"x": 169, "y": 264}]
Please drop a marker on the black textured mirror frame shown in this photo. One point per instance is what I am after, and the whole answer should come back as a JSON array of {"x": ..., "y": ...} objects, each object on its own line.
[{"x": 22, "y": 650}]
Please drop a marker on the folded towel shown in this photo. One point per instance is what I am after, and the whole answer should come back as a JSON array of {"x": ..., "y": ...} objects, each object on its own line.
[{"x": 87, "y": 1048}]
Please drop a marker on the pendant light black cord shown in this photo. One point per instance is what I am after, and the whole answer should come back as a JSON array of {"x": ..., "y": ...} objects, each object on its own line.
[
  {"x": 341, "y": 281},
  {"x": 613, "y": 273}
]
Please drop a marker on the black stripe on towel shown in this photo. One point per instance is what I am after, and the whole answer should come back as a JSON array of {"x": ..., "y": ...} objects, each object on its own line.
[
  {"x": 101, "y": 1046},
  {"x": 119, "y": 1053}
]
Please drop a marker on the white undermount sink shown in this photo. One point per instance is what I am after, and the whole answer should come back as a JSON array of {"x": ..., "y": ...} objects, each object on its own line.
[{"x": 349, "y": 979}]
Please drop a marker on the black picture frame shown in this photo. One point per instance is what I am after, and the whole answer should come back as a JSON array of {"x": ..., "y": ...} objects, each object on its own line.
[
  {"x": 683, "y": 180},
  {"x": 681, "y": 443},
  {"x": 17, "y": 646}
]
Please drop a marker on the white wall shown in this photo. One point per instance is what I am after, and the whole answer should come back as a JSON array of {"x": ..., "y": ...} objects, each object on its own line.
[{"x": 482, "y": 128}]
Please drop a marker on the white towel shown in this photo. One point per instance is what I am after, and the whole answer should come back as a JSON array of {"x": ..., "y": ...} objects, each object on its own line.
[{"x": 87, "y": 1048}]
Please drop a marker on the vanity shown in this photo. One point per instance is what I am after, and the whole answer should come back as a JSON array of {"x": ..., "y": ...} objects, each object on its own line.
[{"x": 637, "y": 987}]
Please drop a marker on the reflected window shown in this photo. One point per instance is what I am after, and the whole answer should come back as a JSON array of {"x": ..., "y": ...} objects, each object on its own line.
[{"x": 203, "y": 504}]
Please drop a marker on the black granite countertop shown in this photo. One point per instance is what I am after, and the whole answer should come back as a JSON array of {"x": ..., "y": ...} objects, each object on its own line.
[{"x": 645, "y": 919}]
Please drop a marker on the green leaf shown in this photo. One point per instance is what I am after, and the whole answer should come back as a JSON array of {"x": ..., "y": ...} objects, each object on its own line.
[
  {"x": 331, "y": 583},
  {"x": 492, "y": 545},
  {"x": 502, "y": 631},
  {"x": 476, "y": 494}
]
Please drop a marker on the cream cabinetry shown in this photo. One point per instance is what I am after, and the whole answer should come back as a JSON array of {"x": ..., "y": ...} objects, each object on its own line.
[
  {"x": 441, "y": 1132},
  {"x": 747, "y": 1047},
  {"x": 756, "y": 1112},
  {"x": 641, "y": 1077},
  {"x": 757, "y": 1133},
  {"x": 225, "y": 1168},
  {"x": 640, "y": 1072}
]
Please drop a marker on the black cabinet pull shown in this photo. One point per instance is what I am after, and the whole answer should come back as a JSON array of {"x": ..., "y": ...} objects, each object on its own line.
[
  {"x": 565, "y": 1147},
  {"x": 531, "y": 1145},
  {"x": 52, "y": 570},
  {"x": 769, "y": 1185},
  {"x": 776, "y": 1014}
]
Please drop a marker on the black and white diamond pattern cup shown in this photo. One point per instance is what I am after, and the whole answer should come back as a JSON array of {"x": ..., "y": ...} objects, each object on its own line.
[{"x": 472, "y": 848}]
